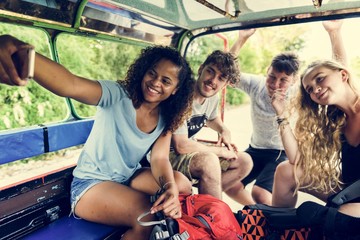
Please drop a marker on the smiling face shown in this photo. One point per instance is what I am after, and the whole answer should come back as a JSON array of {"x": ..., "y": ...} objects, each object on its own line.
[
  {"x": 324, "y": 85},
  {"x": 276, "y": 80},
  {"x": 160, "y": 81},
  {"x": 210, "y": 81}
]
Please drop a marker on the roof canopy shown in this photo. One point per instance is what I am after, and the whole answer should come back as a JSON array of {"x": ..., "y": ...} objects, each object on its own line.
[{"x": 161, "y": 21}]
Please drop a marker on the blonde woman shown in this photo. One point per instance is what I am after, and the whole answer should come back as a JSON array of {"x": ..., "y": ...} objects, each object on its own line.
[{"x": 324, "y": 149}]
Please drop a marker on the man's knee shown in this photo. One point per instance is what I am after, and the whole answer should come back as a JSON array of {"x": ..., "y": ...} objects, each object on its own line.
[
  {"x": 205, "y": 164},
  {"x": 243, "y": 165},
  {"x": 204, "y": 160},
  {"x": 244, "y": 161}
]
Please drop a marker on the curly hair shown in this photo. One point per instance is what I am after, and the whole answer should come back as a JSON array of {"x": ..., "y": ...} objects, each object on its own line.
[
  {"x": 177, "y": 107},
  {"x": 319, "y": 130},
  {"x": 226, "y": 63}
]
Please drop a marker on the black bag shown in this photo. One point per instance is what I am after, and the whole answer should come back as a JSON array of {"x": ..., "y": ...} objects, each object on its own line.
[
  {"x": 333, "y": 224},
  {"x": 263, "y": 222},
  {"x": 310, "y": 221}
]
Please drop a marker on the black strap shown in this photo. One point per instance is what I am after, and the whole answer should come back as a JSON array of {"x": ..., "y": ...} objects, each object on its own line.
[
  {"x": 347, "y": 194},
  {"x": 344, "y": 196},
  {"x": 329, "y": 226},
  {"x": 45, "y": 138}
]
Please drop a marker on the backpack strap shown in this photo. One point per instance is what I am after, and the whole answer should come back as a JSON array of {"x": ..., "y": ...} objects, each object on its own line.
[
  {"x": 149, "y": 223},
  {"x": 344, "y": 196},
  {"x": 183, "y": 236},
  {"x": 329, "y": 225},
  {"x": 160, "y": 233},
  {"x": 347, "y": 194}
]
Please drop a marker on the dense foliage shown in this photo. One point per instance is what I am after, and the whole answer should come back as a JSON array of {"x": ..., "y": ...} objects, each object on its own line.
[
  {"x": 95, "y": 59},
  {"x": 32, "y": 104}
]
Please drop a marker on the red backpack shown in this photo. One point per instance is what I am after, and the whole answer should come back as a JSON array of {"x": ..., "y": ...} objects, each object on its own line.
[{"x": 203, "y": 217}]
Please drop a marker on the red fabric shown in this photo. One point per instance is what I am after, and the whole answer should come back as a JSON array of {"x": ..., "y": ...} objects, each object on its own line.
[{"x": 218, "y": 215}]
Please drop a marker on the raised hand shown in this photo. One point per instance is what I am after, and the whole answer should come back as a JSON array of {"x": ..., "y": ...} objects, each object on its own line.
[{"x": 8, "y": 73}]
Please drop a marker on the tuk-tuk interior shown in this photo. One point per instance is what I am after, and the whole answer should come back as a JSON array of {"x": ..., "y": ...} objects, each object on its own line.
[{"x": 37, "y": 208}]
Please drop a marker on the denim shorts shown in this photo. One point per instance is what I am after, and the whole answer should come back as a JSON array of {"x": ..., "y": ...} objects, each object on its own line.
[{"x": 78, "y": 189}]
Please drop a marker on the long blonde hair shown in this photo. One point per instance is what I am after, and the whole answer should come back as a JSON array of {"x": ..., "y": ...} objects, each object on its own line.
[{"x": 318, "y": 131}]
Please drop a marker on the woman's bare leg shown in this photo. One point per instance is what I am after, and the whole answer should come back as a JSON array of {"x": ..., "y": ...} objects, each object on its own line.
[
  {"x": 351, "y": 209},
  {"x": 284, "y": 186},
  {"x": 115, "y": 204},
  {"x": 145, "y": 182}
]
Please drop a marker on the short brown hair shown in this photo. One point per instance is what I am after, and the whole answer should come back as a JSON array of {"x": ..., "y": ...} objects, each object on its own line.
[{"x": 226, "y": 63}]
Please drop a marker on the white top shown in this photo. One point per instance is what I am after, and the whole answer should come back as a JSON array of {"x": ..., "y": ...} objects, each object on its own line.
[
  {"x": 200, "y": 113},
  {"x": 265, "y": 133}
]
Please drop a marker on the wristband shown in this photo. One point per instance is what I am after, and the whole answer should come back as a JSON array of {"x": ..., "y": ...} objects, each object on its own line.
[{"x": 282, "y": 122}]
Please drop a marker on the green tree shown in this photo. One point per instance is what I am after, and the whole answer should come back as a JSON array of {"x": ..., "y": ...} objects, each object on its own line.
[
  {"x": 32, "y": 104},
  {"x": 87, "y": 57}
]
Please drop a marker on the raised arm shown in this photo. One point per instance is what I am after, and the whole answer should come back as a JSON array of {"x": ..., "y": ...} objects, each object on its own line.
[
  {"x": 333, "y": 28},
  {"x": 289, "y": 141},
  {"x": 243, "y": 36},
  {"x": 49, "y": 74}
]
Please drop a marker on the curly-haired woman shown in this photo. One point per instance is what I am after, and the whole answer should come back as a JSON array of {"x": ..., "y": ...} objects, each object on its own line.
[{"x": 132, "y": 117}]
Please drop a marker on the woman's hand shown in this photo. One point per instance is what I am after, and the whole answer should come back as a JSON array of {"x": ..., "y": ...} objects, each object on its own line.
[
  {"x": 278, "y": 101},
  {"x": 8, "y": 73},
  {"x": 168, "y": 202}
]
